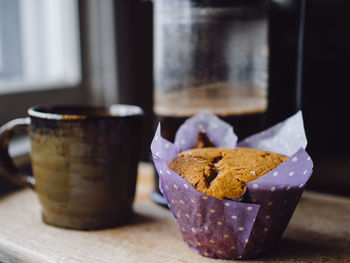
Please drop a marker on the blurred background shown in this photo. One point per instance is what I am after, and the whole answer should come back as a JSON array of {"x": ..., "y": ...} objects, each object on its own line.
[{"x": 101, "y": 51}]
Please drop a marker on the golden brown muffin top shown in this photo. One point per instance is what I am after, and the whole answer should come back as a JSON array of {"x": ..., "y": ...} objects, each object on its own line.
[{"x": 222, "y": 172}]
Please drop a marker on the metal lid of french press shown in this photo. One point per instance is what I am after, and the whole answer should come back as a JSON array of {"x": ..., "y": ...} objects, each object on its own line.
[
  {"x": 213, "y": 3},
  {"x": 227, "y": 3}
]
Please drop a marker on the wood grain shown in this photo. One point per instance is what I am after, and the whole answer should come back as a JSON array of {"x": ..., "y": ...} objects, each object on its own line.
[{"x": 318, "y": 232}]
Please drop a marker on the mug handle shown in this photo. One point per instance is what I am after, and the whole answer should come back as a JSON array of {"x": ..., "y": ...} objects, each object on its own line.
[{"x": 7, "y": 166}]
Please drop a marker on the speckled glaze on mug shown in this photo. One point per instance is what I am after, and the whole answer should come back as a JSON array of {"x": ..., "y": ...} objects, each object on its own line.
[{"x": 84, "y": 161}]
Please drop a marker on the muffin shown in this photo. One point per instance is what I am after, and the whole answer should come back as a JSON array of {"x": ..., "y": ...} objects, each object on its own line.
[
  {"x": 212, "y": 220},
  {"x": 221, "y": 172}
]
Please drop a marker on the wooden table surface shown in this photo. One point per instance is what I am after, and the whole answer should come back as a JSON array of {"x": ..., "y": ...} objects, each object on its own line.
[{"x": 318, "y": 232}]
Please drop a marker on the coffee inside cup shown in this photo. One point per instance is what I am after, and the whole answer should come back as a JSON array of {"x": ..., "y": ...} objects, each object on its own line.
[{"x": 84, "y": 111}]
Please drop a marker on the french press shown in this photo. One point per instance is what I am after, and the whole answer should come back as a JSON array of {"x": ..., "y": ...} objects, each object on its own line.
[{"x": 239, "y": 59}]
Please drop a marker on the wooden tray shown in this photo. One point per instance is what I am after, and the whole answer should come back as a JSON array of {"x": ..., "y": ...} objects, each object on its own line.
[{"x": 318, "y": 232}]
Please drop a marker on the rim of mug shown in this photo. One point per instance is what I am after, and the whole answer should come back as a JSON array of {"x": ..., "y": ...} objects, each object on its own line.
[{"x": 111, "y": 111}]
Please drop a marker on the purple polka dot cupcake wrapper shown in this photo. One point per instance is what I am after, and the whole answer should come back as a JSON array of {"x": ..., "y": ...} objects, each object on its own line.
[{"x": 234, "y": 229}]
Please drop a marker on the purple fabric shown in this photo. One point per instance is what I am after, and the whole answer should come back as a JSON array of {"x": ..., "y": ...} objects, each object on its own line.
[{"x": 231, "y": 229}]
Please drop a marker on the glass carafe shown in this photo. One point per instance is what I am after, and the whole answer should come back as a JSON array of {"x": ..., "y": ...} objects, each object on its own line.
[
  {"x": 211, "y": 55},
  {"x": 239, "y": 59}
]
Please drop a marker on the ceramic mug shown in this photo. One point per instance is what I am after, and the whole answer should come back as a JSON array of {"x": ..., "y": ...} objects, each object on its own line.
[{"x": 84, "y": 161}]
